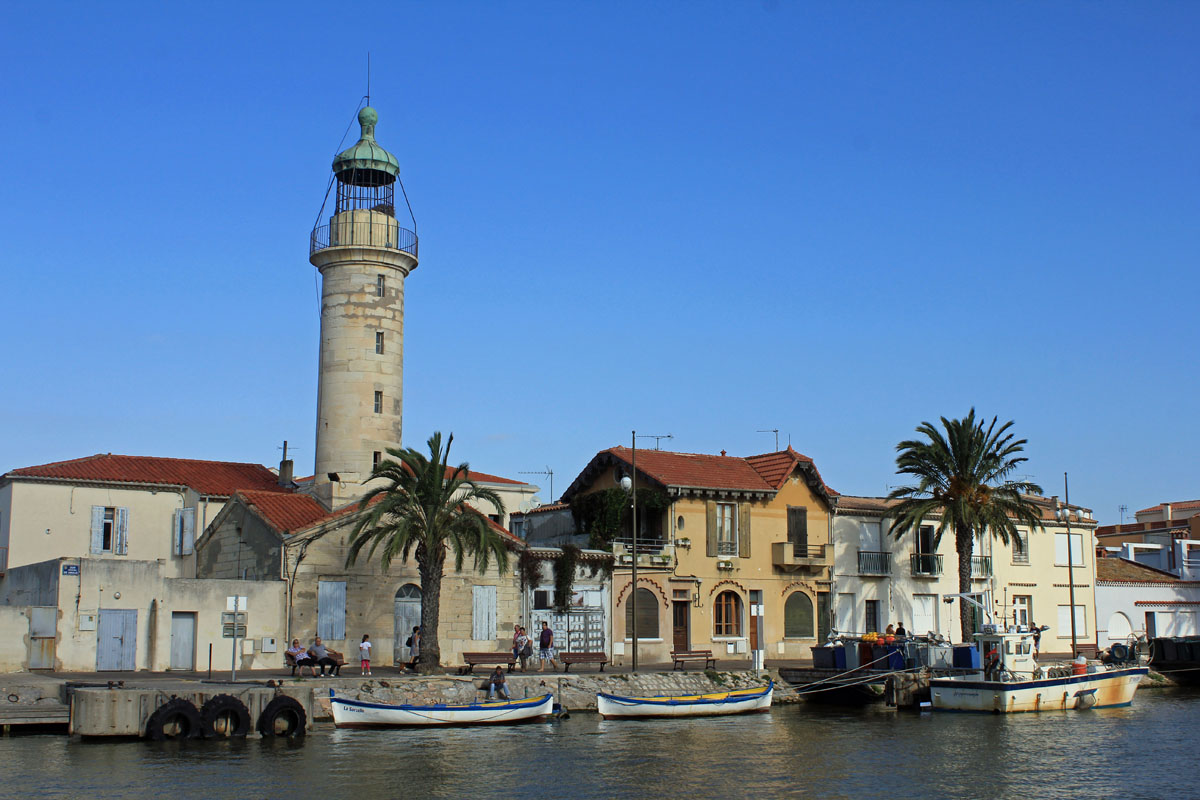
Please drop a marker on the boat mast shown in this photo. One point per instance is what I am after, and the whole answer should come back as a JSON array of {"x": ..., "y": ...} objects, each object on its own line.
[{"x": 1065, "y": 512}]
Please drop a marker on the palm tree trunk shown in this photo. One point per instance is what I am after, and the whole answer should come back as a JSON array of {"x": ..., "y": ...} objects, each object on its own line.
[
  {"x": 431, "y": 570},
  {"x": 964, "y": 544}
]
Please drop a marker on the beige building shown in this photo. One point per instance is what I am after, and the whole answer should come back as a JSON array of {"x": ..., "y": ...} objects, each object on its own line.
[
  {"x": 106, "y": 506},
  {"x": 879, "y": 580},
  {"x": 295, "y": 540},
  {"x": 122, "y": 615},
  {"x": 733, "y": 552}
]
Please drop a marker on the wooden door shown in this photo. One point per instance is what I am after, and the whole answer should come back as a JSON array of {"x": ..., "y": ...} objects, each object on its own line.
[
  {"x": 183, "y": 640},
  {"x": 680, "y": 635},
  {"x": 116, "y": 640}
]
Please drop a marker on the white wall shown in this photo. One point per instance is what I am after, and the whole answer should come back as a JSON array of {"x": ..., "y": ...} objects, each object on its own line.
[{"x": 1113, "y": 599}]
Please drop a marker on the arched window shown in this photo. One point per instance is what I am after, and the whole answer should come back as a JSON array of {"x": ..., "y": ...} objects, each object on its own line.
[
  {"x": 647, "y": 616},
  {"x": 1119, "y": 628},
  {"x": 727, "y": 615},
  {"x": 798, "y": 616}
]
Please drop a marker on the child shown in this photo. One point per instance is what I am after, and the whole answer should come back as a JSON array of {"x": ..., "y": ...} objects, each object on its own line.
[{"x": 364, "y": 652}]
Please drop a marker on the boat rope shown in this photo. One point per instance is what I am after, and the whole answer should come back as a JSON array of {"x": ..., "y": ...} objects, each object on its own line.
[
  {"x": 874, "y": 678},
  {"x": 841, "y": 675}
]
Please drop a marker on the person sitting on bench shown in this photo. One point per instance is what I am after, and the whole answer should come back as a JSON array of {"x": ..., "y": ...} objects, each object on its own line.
[
  {"x": 496, "y": 684},
  {"x": 319, "y": 654},
  {"x": 300, "y": 655}
]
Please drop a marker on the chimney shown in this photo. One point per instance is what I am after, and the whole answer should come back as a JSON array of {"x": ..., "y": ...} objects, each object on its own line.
[
  {"x": 722, "y": 452},
  {"x": 1166, "y": 512},
  {"x": 285, "y": 472}
]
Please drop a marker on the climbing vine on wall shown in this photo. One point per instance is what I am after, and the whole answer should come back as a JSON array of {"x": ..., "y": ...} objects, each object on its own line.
[
  {"x": 564, "y": 577},
  {"x": 529, "y": 569},
  {"x": 604, "y": 515}
]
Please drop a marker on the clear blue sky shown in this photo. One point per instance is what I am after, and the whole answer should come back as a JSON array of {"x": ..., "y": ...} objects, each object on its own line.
[{"x": 704, "y": 219}]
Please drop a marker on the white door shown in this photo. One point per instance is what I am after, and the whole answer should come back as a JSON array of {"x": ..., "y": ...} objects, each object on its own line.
[
  {"x": 183, "y": 640},
  {"x": 1020, "y": 610},
  {"x": 924, "y": 609},
  {"x": 845, "y": 613}
]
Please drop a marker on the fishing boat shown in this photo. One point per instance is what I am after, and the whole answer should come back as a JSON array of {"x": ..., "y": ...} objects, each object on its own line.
[
  {"x": 740, "y": 701},
  {"x": 1012, "y": 681},
  {"x": 349, "y": 713}
]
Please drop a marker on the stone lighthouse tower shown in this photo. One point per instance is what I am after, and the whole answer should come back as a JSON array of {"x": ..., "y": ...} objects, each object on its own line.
[{"x": 363, "y": 255}]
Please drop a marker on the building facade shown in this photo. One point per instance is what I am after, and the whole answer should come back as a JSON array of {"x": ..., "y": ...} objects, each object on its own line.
[
  {"x": 880, "y": 580},
  {"x": 732, "y": 552}
]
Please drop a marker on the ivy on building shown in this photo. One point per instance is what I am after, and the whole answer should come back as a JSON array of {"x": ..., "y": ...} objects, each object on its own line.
[
  {"x": 604, "y": 515},
  {"x": 565, "y": 565}
]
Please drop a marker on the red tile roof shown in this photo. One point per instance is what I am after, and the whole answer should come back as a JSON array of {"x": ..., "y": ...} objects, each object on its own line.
[
  {"x": 483, "y": 477},
  {"x": 1121, "y": 570},
  {"x": 542, "y": 509},
  {"x": 220, "y": 478},
  {"x": 776, "y": 468},
  {"x": 285, "y": 513},
  {"x": 1185, "y": 505}
]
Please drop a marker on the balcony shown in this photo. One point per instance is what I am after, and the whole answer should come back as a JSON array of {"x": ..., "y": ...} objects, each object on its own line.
[
  {"x": 874, "y": 562},
  {"x": 650, "y": 553},
  {"x": 789, "y": 556},
  {"x": 926, "y": 565},
  {"x": 981, "y": 566},
  {"x": 359, "y": 232}
]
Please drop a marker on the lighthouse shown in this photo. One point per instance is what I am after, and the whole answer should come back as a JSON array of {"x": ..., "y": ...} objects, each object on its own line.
[{"x": 363, "y": 255}]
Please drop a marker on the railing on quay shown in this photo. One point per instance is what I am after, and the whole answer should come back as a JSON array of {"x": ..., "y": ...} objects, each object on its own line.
[
  {"x": 926, "y": 563},
  {"x": 356, "y": 233},
  {"x": 874, "y": 562}
]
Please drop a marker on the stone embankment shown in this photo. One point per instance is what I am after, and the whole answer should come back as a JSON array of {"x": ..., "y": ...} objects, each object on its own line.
[{"x": 575, "y": 692}]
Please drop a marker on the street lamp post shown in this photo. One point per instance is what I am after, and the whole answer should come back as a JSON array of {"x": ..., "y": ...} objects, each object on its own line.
[
  {"x": 629, "y": 484},
  {"x": 1064, "y": 514}
]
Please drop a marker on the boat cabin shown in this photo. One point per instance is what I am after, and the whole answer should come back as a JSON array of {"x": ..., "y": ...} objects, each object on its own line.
[{"x": 1006, "y": 651}]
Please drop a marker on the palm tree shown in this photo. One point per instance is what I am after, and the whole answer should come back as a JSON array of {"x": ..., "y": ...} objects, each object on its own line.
[
  {"x": 963, "y": 476},
  {"x": 423, "y": 510}
]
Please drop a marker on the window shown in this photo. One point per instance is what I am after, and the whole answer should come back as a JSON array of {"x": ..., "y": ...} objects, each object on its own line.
[
  {"x": 727, "y": 615},
  {"x": 380, "y": 285},
  {"x": 379, "y": 402},
  {"x": 797, "y": 530},
  {"x": 871, "y": 615},
  {"x": 925, "y": 540},
  {"x": 822, "y": 616},
  {"x": 924, "y": 614},
  {"x": 379, "y": 342},
  {"x": 541, "y": 599},
  {"x": 331, "y": 610},
  {"x": 1064, "y": 622},
  {"x": 647, "y": 616},
  {"x": 110, "y": 530},
  {"x": 798, "y": 616},
  {"x": 727, "y": 529},
  {"x": 1022, "y": 610},
  {"x": 1020, "y": 548},
  {"x": 1060, "y": 550},
  {"x": 376, "y": 457}
]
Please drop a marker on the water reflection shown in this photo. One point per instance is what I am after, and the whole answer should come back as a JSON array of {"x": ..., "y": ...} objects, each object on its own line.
[{"x": 1144, "y": 751}]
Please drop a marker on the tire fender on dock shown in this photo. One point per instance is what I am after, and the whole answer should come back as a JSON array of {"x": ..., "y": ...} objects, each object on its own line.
[
  {"x": 224, "y": 716},
  {"x": 175, "y": 719},
  {"x": 283, "y": 716}
]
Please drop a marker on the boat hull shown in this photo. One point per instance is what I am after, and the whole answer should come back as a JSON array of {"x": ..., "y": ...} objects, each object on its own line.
[
  {"x": 704, "y": 705},
  {"x": 359, "y": 714},
  {"x": 1094, "y": 690}
]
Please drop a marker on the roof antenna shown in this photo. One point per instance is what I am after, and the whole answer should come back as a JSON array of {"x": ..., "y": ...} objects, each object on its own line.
[
  {"x": 774, "y": 431},
  {"x": 368, "y": 77}
]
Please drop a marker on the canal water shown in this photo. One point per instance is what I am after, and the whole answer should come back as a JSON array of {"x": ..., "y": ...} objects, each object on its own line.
[{"x": 1146, "y": 751}]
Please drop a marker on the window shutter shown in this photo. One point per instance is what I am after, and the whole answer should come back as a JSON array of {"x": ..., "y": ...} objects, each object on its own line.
[
  {"x": 331, "y": 610},
  {"x": 97, "y": 529},
  {"x": 177, "y": 531},
  {"x": 188, "y": 545},
  {"x": 743, "y": 530},
  {"x": 121, "y": 546},
  {"x": 483, "y": 613},
  {"x": 712, "y": 529}
]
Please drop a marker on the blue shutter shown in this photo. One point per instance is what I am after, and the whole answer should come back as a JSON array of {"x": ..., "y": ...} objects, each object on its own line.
[
  {"x": 97, "y": 529},
  {"x": 331, "y": 610},
  {"x": 177, "y": 531},
  {"x": 188, "y": 531},
  {"x": 121, "y": 545}
]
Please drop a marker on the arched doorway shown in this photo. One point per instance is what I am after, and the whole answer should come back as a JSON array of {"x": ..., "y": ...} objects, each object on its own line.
[{"x": 408, "y": 616}]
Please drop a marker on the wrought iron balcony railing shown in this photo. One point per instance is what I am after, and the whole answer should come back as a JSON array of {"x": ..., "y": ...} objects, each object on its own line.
[
  {"x": 874, "y": 562},
  {"x": 361, "y": 233},
  {"x": 981, "y": 566},
  {"x": 926, "y": 563}
]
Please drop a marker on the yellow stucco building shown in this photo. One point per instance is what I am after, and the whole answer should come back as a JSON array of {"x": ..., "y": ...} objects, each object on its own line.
[{"x": 733, "y": 553}]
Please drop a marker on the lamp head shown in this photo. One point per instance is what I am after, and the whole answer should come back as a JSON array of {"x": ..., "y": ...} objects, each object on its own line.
[{"x": 626, "y": 482}]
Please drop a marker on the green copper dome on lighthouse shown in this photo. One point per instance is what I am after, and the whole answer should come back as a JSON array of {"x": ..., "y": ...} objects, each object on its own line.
[{"x": 366, "y": 163}]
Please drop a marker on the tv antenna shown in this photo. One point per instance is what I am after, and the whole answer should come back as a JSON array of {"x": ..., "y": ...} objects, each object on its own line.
[
  {"x": 1123, "y": 509},
  {"x": 656, "y": 437},
  {"x": 548, "y": 472},
  {"x": 774, "y": 431},
  {"x": 368, "y": 77}
]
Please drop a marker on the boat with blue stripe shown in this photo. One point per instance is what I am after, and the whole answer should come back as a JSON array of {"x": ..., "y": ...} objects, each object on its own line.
[
  {"x": 348, "y": 713},
  {"x": 738, "y": 701}
]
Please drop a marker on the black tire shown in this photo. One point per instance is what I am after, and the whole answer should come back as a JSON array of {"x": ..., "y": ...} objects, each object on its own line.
[
  {"x": 283, "y": 717},
  {"x": 224, "y": 717},
  {"x": 174, "y": 719}
]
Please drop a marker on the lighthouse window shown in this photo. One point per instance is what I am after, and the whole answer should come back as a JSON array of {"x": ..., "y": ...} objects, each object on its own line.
[
  {"x": 379, "y": 402},
  {"x": 380, "y": 285},
  {"x": 379, "y": 342}
]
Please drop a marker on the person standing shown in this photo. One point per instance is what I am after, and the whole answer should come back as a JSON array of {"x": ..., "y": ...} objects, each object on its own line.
[
  {"x": 516, "y": 650},
  {"x": 414, "y": 648},
  {"x": 364, "y": 654},
  {"x": 546, "y": 645},
  {"x": 1037, "y": 636},
  {"x": 900, "y": 632},
  {"x": 522, "y": 649}
]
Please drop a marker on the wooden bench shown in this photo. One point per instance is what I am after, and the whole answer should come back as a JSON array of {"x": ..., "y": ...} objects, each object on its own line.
[
  {"x": 488, "y": 658},
  {"x": 583, "y": 658},
  {"x": 290, "y": 661},
  {"x": 682, "y": 656}
]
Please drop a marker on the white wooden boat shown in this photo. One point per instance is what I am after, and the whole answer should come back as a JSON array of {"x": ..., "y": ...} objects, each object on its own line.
[
  {"x": 1012, "y": 681},
  {"x": 740, "y": 701},
  {"x": 349, "y": 713}
]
